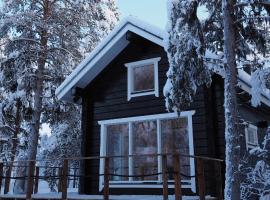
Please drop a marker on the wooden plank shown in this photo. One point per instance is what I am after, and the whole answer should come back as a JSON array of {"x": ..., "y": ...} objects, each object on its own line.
[
  {"x": 165, "y": 177},
  {"x": 201, "y": 181},
  {"x": 36, "y": 180},
  {"x": 219, "y": 181},
  {"x": 106, "y": 178},
  {"x": 7, "y": 178},
  {"x": 64, "y": 180},
  {"x": 1, "y": 174},
  {"x": 30, "y": 180},
  {"x": 177, "y": 177}
]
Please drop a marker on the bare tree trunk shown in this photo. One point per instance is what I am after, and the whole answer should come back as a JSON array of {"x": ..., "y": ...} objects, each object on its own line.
[
  {"x": 232, "y": 184},
  {"x": 14, "y": 139},
  {"x": 35, "y": 122}
]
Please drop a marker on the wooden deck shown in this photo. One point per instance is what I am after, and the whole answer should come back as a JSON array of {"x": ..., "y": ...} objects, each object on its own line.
[{"x": 74, "y": 196}]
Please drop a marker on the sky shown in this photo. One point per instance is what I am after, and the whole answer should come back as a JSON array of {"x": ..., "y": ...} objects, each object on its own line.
[{"x": 151, "y": 11}]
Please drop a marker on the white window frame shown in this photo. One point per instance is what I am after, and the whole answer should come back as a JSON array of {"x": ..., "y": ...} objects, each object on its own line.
[
  {"x": 130, "y": 66},
  {"x": 250, "y": 145},
  {"x": 190, "y": 183}
]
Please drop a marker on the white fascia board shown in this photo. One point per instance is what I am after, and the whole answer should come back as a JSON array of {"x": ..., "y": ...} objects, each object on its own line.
[{"x": 105, "y": 52}]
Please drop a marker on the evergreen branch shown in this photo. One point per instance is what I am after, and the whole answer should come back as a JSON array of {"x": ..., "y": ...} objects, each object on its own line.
[
  {"x": 26, "y": 39},
  {"x": 248, "y": 18},
  {"x": 6, "y": 127},
  {"x": 264, "y": 3},
  {"x": 211, "y": 18},
  {"x": 65, "y": 50}
]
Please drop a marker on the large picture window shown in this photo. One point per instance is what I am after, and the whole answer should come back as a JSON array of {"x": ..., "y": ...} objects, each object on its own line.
[{"x": 154, "y": 134}]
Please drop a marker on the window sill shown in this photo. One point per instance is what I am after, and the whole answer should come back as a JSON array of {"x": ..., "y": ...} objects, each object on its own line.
[{"x": 139, "y": 94}]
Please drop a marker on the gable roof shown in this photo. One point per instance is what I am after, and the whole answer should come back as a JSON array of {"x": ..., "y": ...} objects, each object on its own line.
[
  {"x": 105, "y": 52},
  {"x": 111, "y": 46}
]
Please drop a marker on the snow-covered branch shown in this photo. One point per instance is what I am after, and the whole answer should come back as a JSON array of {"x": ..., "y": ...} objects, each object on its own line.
[
  {"x": 6, "y": 128},
  {"x": 252, "y": 18},
  {"x": 252, "y": 2},
  {"x": 63, "y": 49}
]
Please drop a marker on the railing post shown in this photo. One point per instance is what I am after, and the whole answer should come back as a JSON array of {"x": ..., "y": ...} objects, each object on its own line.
[
  {"x": 60, "y": 173},
  {"x": 30, "y": 180},
  {"x": 165, "y": 177},
  {"x": 1, "y": 175},
  {"x": 200, "y": 175},
  {"x": 74, "y": 178},
  {"x": 219, "y": 178},
  {"x": 36, "y": 180},
  {"x": 64, "y": 180},
  {"x": 106, "y": 179},
  {"x": 7, "y": 178},
  {"x": 177, "y": 177}
]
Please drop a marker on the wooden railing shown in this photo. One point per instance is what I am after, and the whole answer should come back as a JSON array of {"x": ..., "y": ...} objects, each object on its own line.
[{"x": 64, "y": 176}]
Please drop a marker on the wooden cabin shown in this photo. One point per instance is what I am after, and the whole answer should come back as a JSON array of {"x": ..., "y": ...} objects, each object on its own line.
[{"x": 120, "y": 87}]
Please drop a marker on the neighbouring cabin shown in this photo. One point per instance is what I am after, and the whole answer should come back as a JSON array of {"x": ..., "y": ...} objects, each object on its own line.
[{"x": 120, "y": 86}]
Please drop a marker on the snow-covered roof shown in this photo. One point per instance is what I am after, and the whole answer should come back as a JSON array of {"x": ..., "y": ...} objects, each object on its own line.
[
  {"x": 105, "y": 52},
  {"x": 111, "y": 46}
]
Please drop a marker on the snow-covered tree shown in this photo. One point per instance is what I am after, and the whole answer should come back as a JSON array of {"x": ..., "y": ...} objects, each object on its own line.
[
  {"x": 234, "y": 34},
  {"x": 43, "y": 41},
  {"x": 255, "y": 170}
]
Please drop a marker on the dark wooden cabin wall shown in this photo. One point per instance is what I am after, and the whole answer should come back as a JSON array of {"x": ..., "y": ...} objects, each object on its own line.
[{"x": 106, "y": 98}]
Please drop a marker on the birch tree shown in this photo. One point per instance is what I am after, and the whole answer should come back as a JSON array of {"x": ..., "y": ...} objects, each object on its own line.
[{"x": 237, "y": 34}]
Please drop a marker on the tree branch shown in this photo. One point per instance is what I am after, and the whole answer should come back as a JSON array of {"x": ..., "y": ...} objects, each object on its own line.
[
  {"x": 241, "y": 4},
  {"x": 65, "y": 50}
]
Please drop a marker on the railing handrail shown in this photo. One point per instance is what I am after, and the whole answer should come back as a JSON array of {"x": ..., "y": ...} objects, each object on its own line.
[{"x": 116, "y": 156}]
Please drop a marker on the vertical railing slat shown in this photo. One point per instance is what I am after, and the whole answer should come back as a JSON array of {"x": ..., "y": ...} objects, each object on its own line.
[
  {"x": 219, "y": 178},
  {"x": 1, "y": 174},
  {"x": 201, "y": 181},
  {"x": 30, "y": 179},
  {"x": 60, "y": 173},
  {"x": 64, "y": 180},
  {"x": 165, "y": 177},
  {"x": 106, "y": 178},
  {"x": 7, "y": 178},
  {"x": 177, "y": 177},
  {"x": 36, "y": 180},
  {"x": 74, "y": 178}
]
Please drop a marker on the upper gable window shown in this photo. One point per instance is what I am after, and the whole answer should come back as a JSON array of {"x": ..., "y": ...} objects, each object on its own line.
[
  {"x": 251, "y": 136},
  {"x": 143, "y": 78}
]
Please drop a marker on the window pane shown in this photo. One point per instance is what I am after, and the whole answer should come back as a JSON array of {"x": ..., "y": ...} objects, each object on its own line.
[
  {"x": 174, "y": 134},
  {"x": 143, "y": 78},
  {"x": 117, "y": 144},
  {"x": 252, "y": 135},
  {"x": 145, "y": 142}
]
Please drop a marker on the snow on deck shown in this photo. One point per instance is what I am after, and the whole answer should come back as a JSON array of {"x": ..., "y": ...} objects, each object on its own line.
[{"x": 99, "y": 197}]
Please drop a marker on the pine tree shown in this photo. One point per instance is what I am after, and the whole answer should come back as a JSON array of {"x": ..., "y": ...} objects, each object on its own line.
[
  {"x": 236, "y": 33},
  {"x": 44, "y": 40}
]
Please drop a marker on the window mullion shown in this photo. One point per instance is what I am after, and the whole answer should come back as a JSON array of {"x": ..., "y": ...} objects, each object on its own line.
[
  {"x": 159, "y": 150},
  {"x": 130, "y": 151}
]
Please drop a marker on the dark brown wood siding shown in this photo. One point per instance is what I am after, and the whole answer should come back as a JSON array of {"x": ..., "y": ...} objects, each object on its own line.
[{"x": 106, "y": 98}]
